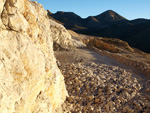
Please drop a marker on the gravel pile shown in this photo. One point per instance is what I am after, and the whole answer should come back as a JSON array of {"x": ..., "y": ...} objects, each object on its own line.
[{"x": 96, "y": 88}]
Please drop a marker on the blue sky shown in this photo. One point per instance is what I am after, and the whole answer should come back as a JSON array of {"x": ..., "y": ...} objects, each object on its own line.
[{"x": 130, "y": 9}]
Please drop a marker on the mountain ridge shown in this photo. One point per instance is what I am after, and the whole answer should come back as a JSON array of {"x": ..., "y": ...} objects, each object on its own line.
[{"x": 109, "y": 24}]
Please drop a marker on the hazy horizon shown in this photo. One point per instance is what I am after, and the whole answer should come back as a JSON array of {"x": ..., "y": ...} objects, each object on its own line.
[{"x": 129, "y": 9}]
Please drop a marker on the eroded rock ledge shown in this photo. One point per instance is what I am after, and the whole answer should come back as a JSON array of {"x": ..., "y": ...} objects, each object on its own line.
[{"x": 30, "y": 81}]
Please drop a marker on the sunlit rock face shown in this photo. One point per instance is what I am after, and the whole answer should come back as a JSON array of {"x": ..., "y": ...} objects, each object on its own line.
[
  {"x": 63, "y": 37},
  {"x": 30, "y": 81}
]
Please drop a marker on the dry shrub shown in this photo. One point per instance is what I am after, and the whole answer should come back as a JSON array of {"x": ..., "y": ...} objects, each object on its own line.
[
  {"x": 103, "y": 45},
  {"x": 118, "y": 43}
]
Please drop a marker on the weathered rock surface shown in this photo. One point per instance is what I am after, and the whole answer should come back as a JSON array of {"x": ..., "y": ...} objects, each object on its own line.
[
  {"x": 66, "y": 41},
  {"x": 30, "y": 81}
]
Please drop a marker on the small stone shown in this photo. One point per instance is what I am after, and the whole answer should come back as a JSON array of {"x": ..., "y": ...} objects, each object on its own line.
[
  {"x": 69, "y": 99},
  {"x": 96, "y": 100}
]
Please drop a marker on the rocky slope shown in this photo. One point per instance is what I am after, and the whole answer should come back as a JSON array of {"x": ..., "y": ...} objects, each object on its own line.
[
  {"x": 30, "y": 81},
  {"x": 100, "y": 88}
]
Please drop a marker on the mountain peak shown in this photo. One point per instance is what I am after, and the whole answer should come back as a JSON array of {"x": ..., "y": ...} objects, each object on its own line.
[
  {"x": 66, "y": 14},
  {"x": 63, "y": 12},
  {"x": 69, "y": 18},
  {"x": 60, "y": 12},
  {"x": 110, "y": 15},
  {"x": 110, "y": 11}
]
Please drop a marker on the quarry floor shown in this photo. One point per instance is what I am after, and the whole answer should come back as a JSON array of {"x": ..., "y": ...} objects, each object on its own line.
[{"x": 87, "y": 56}]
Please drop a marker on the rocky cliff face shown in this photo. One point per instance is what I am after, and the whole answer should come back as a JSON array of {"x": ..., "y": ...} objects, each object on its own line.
[{"x": 30, "y": 81}]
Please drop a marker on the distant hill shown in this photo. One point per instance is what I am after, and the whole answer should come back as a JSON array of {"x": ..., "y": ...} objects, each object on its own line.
[
  {"x": 109, "y": 24},
  {"x": 70, "y": 19}
]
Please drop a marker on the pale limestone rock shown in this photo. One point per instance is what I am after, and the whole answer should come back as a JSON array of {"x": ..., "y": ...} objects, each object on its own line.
[
  {"x": 18, "y": 23},
  {"x": 20, "y": 4},
  {"x": 30, "y": 81},
  {"x": 5, "y": 17},
  {"x": 66, "y": 39},
  {"x": 10, "y": 8},
  {"x": 1, "y": 25},
  {"x": 14, "y": 6},
  {"x": 59, "y": 31},
  {"x": 2, "y": 2}
]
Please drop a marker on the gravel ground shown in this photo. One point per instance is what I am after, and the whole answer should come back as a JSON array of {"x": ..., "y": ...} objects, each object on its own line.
[{"x": 100, "y": 88}]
